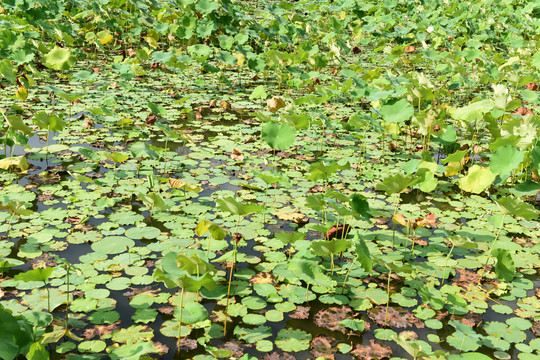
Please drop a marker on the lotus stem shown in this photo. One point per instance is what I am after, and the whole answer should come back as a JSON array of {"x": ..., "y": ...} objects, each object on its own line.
[
  {"x": 491, "y": 250},
  {"x": 388, "y": 294},
  {"x": 180, "y": 319}
]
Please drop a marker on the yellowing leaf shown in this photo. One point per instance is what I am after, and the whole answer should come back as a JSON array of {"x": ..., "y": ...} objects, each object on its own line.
[
  {"x": 241, "y": 58},
  {"x": 16, "y": 161},
  {"x": 106, "y": 39},
  {"x": 477, "y": 180},
  {"x": 21, "y": 93}
]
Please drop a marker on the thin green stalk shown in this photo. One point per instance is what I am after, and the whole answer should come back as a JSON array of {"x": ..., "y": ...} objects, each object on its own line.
[
  {"x": 445, "y": 264},
  {"x": 491, "y": 250},
  {"x": 388, "y": 296},
  {"x": 180, "y": 319},
  {"x": 229, "y": 291}
]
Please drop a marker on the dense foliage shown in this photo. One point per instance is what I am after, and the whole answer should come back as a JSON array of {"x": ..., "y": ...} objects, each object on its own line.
[{"x": 268, "y": 179}]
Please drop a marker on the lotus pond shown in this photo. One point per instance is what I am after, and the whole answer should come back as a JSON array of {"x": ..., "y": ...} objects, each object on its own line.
[{"x": 199, "y": 179}]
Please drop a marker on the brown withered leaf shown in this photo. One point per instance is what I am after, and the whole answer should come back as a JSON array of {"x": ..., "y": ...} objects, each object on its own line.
[
  {"x": 262, "y": 278},
  {"x": 410, "y": 49},
  {"x": 274, "y": 104},
  {"x": 187, "y": 344},
  {"x": 532, "y": 86},
  {"x": 536, "y": 328},
  {"x": 88, "y": 123},
  {"x": 331, "y": 317},
  {"x": 234, "y": 347},
  {"x": 100, "y": 330},
  {"x": 277, "y": 356},
  {"x": 150, "y": 120},
  {"x": 213, "y": 104},
  {"x": 465, "y": 277},
  {"x": 472, "y": 319},
  {"x": 356, "y": 50},
  {"x": 301, "y": 312},
  {"x": 225, "y": 105},
  {"x": 522, "y": 110},
  {"x": 409, "y": 335},
  {"x": 237, "y": 155},
  {"x": 167, "y": 310},
  {"x": 396, "y": 318},
  {"x": 373, "y": 351},
  {"x": 161, "y": 349},
  {"x": 339, "y": 232},
  {"x": 321, "y": 346}
]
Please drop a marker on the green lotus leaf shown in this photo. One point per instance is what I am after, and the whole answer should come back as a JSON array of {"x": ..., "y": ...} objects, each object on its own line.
[
  {"x": 477, "y": 180},
  {"x": 293, "y": 340},
  {"x": 206, "y": 6},
  {"x": 505, "y": 160},
  {"x": 397, "y": 111},
  {"x": 60, "y": 58},
  {"x": 505, "y": 268},
  {"x": 18, "y": 162},
  {"x": 278, "y": 135},
  {"x": 516, "y": 207},
  {"x": 473, "y": 112}
]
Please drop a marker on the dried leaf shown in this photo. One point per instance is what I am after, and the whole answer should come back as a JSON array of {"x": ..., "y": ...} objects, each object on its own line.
[{"x": 373, "y": 351}]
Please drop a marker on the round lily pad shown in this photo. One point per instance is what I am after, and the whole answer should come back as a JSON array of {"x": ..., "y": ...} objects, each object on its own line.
[
  {"x": 254, "y": 303},
  {"x": 254, "y": 319},
  {"x": 264, "y": 345},
  {"x": 113, "y": 245},
  {"x": 94, "y": 346},
  {"x": 148, "y": 232},
  {"x": 293, "y": 340}
]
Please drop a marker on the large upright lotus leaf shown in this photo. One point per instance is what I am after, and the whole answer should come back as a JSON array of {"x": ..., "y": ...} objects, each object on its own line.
[
  {"x": 396, "y": 184},
  {"x": 363, "y": 254},
  {"x": 505, "y": 160},
  {"x": 528, "y": 187},
  {"x": 426, "y": 180},
  {"x": 38, "y": 274},
  {"x": 227, "y": 58},
  {"x": 535, "y": 60},
  {"x": 473, "y": 112},
  {"x": 16, "y": 123},
  {"x": 309, "y": 271},
  {"x": 397, "y": 111},
  {"x": 330, "y": 247},
  {"x": 360, "y": 206},
  {"x": 162, "y": 57},
  {"x": 191, "y": 273},
  {"x": 200, "y": 52},
  {"x": 142, "y": 149},
  {"x": 516, "y": 207},
  {"x": 206, "y": 6},
  {"x": 477, "y": 180},
  {"x": 60, "y": 58},
  {"x": 50, "y": 122},
  {"x": 535, "y": 157},
  {"x": 229, "y": 204},
  {"x": 278, "y": 135},
  {"x": 320, "y": 170},
  {"x": 216, "y": 231},
  {"x": 505, "y": 268},
  {"x": 14, "y": 335},
  {"x": 153, "y": 200}
]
